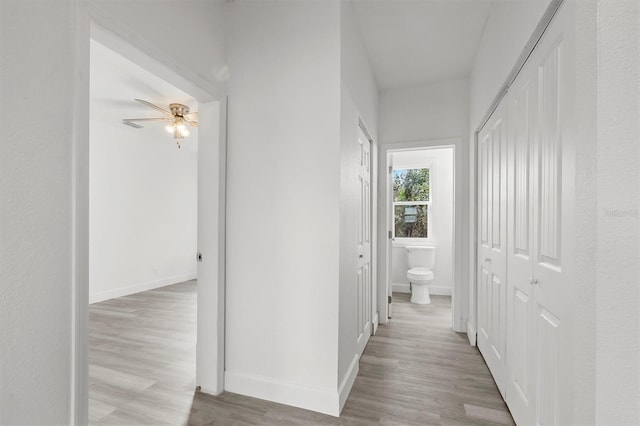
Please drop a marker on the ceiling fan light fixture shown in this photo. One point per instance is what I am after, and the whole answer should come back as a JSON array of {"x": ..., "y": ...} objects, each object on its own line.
[
  {"x": 179, "y": 125},
  {"x": 178, "y": 128}
]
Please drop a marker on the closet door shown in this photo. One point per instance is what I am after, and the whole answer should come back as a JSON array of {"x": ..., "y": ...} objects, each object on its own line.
[
  {"x": 553, "y": 195},
  {"x": 521, "y": 365},
  {"x": 541, "y": 193},
  {"x": 492, "y": 242}
]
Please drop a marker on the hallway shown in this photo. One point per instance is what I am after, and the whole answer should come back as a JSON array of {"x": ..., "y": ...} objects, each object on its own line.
[{"x": 414, "y": 371}]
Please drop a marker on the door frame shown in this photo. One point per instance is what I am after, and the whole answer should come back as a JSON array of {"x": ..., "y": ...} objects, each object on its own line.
[
  {"x": 373, "y": 173},
  {"x": 459, "y": 291},
  {"x": 92, "y": 23}
]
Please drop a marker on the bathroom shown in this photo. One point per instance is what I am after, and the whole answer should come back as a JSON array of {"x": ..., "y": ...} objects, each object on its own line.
[{"x": 423, "y": 215}]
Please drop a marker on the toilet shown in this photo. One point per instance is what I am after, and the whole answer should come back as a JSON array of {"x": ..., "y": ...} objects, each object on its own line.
[{"x": 420, "y": 260}]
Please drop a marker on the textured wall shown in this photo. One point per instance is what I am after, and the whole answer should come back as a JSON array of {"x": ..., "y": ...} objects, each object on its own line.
[
  {"x": 37, "y": 41},
  {"x": 618, "y": 248},
  {"x": 283, "y": 201}
]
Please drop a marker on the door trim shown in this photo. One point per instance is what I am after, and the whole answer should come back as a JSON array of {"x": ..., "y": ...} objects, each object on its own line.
[{"x": 460, "y": 291}]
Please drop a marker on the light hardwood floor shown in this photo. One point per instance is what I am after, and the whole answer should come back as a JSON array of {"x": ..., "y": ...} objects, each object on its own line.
[{"x": 414, "y": 371}]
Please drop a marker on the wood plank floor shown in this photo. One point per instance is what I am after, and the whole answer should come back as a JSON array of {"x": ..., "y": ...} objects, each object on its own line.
[{"x": 414, "y": 371}]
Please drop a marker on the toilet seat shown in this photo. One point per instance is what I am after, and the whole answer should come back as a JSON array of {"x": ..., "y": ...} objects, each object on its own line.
[{"x": 420, "y": 274}]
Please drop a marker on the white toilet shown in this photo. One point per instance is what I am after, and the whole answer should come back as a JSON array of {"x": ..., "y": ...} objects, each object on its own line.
[{"x": 420, "y": 260}]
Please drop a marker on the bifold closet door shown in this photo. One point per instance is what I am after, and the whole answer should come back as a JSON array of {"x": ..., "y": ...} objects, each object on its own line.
[
  {"x": 521, "y": 366},
  {"x": 541, "y": 175},
  {"x": 492, "y": 243}
]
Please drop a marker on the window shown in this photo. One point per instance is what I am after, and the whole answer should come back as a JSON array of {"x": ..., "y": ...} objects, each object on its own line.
[{"x": 411, "y": 203}]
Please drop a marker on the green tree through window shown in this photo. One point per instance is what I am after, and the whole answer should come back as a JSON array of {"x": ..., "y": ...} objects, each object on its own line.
[{"x": 411, "y": 200}]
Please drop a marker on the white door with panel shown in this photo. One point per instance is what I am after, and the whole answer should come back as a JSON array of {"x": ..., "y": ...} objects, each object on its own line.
[
  {"x": 520, "y": 387},
  {"x": 492, "y": 243},
  {"x": 364, "y": 307},
  {"x": 540, "y": 199}
]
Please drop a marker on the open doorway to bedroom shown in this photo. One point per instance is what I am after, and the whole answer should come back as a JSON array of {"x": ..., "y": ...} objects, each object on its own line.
[{"x": 154, "y": 219}]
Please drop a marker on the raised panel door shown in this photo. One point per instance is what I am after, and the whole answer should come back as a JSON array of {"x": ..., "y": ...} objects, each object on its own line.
[
  {"x": 521, "y": 362},
  {"x": 364, "y": 291},
  {"x": 492, "y": 244}
]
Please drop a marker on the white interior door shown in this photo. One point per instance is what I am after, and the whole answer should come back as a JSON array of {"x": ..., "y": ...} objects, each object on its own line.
[
  {"x": 390, "y": 225},
  {"x": 364, "y": 313},
  {"x": 553, "y": 195},
  {"x": 492, "y": 241},
  {"x": 520, "y": 386},
  {"x": 540, "y": 194},
  {"x": 211, "y": 249}
]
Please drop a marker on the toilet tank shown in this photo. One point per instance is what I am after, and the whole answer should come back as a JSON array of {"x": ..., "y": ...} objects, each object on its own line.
[{"x": 421, "y": 256}]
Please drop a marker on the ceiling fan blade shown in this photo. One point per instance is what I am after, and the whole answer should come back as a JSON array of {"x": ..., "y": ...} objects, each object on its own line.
[
  {"x": 146, "y": 119},
  {"x": 191, "y": 122},
  {"x": 149, "y": 104},
  {"x": 192, "y": 116}
]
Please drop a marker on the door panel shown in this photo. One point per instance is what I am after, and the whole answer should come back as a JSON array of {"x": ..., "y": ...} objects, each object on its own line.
[
  {"x": 538, "y": 385},
  {"x": 547, "y": 267},
  {"x": 364, "y": 243},
  {"x": 547, "y": 398},
  {"x": 521, "y": 362},
  {"x": 492, "y": 263}
]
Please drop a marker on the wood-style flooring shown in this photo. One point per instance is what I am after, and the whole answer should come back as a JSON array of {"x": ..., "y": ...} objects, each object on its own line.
[{"x": 414, "y": 371}]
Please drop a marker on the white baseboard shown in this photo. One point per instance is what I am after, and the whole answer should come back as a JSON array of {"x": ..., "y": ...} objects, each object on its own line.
[
  {"x": 101, "y": 296},
  {"x": 471, "y": 333},
  {"x": 314, "y": 399},
  {"x": 376, "y": 322},
  {"x": 434, "y": 290},
  {"x": 400, "y": 288},
  {"x": 347, "y": 382}
]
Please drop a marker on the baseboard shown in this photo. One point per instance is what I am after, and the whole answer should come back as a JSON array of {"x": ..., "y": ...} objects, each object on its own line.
[
  {"x": 314, "y": 399},
  {"x": 347, "y": 383},
  {"x": 471, "y": 333},
  {"x": 400, "y": 288},
  {"x": 434, "y": 290},
  {"x": 101, "y": 296},
  {"x": 375, "y": 321}
]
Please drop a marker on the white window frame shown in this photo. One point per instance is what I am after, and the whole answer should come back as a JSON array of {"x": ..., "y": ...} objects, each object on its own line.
[{"x": 415, "y": 240}]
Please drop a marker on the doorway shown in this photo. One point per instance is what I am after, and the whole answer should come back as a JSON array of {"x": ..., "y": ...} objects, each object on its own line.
[
  {"x": 430, "y": 218},
  {"x": 421, "y": 206},
  {"x": 143, "y": 230},
  {"x": 210, "y": 177}
]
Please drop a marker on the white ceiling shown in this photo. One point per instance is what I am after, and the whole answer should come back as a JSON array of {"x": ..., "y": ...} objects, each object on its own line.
[
  {"x": 414, "y": 42},
  {"x": 116, "y": 82}
]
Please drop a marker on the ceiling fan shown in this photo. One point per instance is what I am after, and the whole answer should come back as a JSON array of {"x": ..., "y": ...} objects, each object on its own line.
[{"x": 178, "y": 116}]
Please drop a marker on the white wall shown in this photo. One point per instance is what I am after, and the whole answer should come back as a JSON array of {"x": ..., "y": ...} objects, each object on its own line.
[
  {"x": 424, "y": 116},
  {"x": 618, "y": 201},
  {"x": 357, "y": 76},
  {"x": 442, "y": 214},
  {"x": 359, "y": 100},
  {"x": 143, "y": 211},
  {"x": 506, "y": 32},
  {"x": 200, "y": 59},
  {"x": 434, "y": 111},
  {"x": 37, "y": 44},
  {"x": 283, "y": 202}
]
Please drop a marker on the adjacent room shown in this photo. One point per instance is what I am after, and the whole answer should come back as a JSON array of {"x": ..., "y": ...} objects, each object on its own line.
[{"x": 143, "y": 237}]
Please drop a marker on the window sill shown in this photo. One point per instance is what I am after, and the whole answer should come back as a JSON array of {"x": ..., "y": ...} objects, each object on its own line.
[{"x": 404, "y": 242}]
